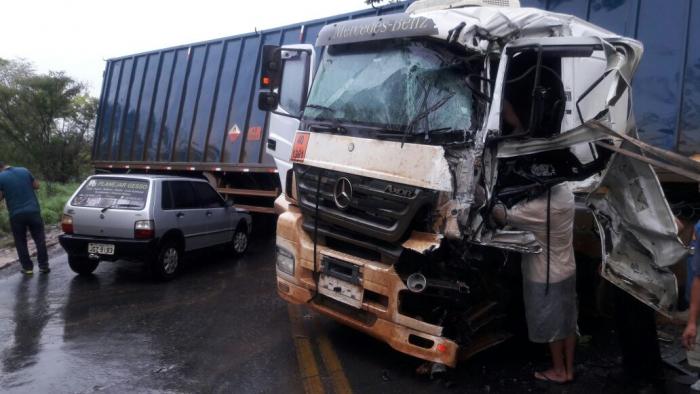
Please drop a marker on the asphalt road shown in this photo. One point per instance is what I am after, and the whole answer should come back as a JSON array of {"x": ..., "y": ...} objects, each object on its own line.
[{"x": 220, "y": 327}]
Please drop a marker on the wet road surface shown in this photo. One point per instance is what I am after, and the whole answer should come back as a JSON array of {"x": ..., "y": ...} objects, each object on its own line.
[{"x": 220, "y": 327}]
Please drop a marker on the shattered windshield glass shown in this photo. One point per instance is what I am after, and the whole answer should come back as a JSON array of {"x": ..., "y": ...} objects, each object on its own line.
[{"x": 412, "y": 86}]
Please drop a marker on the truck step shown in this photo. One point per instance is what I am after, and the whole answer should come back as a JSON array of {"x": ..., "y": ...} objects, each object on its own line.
[
  {"x": 249, "y": 192},
  {"x": 253, "y": 208}
]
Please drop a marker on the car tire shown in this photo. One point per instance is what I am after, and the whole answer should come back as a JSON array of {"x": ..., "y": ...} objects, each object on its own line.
[
  {"x": 239, "y": 243},
  {"x": 167, "y": 262},
  {"x": 82, "y": 265}
]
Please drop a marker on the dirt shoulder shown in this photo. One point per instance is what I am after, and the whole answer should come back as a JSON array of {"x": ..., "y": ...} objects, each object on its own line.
[{"x": 8, "y": 254}]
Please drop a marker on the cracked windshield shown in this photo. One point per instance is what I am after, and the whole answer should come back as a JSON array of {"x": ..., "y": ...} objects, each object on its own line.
[{"x": 402, "y": 86}]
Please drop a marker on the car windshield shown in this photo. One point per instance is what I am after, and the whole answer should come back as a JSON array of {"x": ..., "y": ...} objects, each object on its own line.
[
  {"x": 117, "y": 193},
  {"x": 415, "y": 86}
]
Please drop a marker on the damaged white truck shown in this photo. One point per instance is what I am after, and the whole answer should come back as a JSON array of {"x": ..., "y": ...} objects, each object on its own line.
[{"x": 394, "y": 149}]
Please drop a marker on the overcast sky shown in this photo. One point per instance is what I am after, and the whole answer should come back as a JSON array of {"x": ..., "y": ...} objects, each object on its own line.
[{"x": 76, "y": 36}]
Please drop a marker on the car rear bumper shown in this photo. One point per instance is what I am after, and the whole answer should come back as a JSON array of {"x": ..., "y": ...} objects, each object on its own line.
[{"x": 137, "y": 249}]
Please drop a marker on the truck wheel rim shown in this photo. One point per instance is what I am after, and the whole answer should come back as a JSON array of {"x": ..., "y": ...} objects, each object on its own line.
[
  {"x": 240, "y": 242},
  {"x": 170, "y": 258}
]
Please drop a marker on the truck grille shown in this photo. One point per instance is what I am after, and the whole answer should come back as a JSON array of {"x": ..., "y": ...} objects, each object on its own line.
[{"x": 376, "y": 209}]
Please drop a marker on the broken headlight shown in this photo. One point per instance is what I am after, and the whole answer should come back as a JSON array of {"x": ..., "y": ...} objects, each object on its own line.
[{"x": 285, "y": 261}]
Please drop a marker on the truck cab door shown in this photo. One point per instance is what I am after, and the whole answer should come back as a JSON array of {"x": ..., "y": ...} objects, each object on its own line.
[
  {"x": 634, "y": 221},
  {"x": 287, "y": 73}
]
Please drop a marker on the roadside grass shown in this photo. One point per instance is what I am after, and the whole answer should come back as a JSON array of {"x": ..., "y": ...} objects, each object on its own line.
[{"x": 52, "y": 198}]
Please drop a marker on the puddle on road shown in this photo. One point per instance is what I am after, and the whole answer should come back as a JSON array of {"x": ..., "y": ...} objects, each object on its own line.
[{"x": 53, "y": 342}]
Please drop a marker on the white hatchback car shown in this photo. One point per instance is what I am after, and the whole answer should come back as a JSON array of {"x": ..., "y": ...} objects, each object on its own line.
[{"x": 151, "y": 218}]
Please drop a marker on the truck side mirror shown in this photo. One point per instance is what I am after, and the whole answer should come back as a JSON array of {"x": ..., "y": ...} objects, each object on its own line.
[
  {"x": 268, "y": 101},
  {"x": 271, "y": 68}
]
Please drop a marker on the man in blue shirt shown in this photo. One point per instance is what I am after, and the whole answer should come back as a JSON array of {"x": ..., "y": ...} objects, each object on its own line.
[{"x": 17, "y": 187}]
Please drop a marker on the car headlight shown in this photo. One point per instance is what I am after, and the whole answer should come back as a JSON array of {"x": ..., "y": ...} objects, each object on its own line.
[{"x": 285, "y": 261}]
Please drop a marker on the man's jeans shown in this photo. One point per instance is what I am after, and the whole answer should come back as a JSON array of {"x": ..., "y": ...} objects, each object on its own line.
[{"x": 22, "y": 222}]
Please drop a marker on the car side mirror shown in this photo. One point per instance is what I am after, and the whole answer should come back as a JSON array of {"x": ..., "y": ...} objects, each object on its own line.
[
  {"x": 228, "y": 203},
  {"x": 268, "y": 101}
]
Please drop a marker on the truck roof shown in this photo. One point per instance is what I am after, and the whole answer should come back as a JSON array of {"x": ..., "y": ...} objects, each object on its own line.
[{"x": 473, "y": 27}]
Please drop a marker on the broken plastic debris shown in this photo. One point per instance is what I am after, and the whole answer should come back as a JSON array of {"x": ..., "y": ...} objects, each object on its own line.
[{"x": 695, "y": 386}]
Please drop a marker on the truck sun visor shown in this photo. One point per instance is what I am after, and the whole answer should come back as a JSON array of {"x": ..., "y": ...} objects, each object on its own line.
[{"x": 378, "y": 28}]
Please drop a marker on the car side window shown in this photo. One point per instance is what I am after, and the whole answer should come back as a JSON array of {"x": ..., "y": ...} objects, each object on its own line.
[
  {"x": 183, "y": 196},
  {"x": 166, "y": 201},
  {"x": 208, "y": 197}
]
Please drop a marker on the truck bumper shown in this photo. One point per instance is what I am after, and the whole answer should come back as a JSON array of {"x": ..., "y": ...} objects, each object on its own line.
[
  {"x": 378, "y": 314},
  {"x": 137, "y": 249}
]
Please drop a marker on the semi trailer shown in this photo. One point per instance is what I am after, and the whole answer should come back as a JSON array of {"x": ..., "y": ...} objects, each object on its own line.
[{"x": 190, "y": 110}]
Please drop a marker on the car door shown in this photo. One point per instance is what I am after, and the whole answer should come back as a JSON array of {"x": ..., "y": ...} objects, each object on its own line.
[
  {"x": 219, "y": 218},
  {"x": 289, "y": 80},
  {"x": 186, "y": 214}
]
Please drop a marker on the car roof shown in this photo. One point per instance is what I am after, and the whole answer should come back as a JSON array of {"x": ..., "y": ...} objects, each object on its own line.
[{"x": 148, "y": 176}]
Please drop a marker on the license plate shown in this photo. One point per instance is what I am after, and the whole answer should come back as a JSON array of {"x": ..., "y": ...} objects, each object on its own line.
[
  {"x": 101, "y": 248},
  {"x": 340, "y": 290}
]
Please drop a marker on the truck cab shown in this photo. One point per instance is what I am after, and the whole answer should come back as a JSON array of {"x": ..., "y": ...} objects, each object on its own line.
[{"x": 409, "y": 131}]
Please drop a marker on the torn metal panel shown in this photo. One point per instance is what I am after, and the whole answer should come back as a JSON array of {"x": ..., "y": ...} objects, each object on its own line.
[
  {"x": 484, "y": 25},
  {"x": 638, "y": 230},
  {"x": 683, "y": 165},
  {"x": 463, "y": 166},
  {"x": 513, "y": 240},
  {"x": 627, "y": 267},
  {"x": 581, "y": 134},
  {"x": 422, "y": 242}
]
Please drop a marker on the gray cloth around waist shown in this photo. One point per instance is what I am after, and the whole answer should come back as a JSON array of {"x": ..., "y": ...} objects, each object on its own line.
[{"x": 552, "y": 316}]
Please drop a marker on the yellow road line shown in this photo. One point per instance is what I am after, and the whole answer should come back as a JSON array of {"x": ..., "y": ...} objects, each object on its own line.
[
  {"x": 341, "y": 385},
  {"x": 305, "y": 355}
]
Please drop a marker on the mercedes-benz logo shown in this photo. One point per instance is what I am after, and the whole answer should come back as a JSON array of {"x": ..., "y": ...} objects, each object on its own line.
[{"x": 342, "y": 193}]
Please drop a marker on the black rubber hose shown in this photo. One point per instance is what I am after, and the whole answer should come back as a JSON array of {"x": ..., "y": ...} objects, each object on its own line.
[{"x": 549, "y": 231}]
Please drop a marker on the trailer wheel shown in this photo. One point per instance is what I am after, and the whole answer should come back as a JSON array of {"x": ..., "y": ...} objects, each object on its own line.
[{"x": 82, "y": 265}]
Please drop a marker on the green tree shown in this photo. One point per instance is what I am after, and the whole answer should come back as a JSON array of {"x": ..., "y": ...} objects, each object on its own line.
[{"x": 46, "y": 119}]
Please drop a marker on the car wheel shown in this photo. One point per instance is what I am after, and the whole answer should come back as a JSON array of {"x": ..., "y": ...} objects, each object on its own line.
[
  {"x": 82, "y": 265},
  {"x": 167, "y": 263},
  {"x": 239, "y": 244}
]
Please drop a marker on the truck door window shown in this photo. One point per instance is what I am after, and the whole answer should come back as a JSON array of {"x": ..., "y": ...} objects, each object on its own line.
[
  {"x": 292, "y": 91},
  {"x": 543, "y": 106},
  {"x": 539, "y": 109}
]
